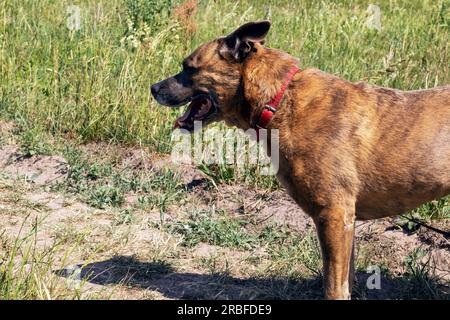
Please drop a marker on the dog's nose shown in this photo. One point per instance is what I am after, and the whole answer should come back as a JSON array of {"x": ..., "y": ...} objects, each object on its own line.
[{"x": 154, "y": 89}]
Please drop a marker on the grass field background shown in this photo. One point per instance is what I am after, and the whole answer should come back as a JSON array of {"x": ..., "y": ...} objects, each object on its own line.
[
  {"x": 90, "y": 85},
  {"x": 64, "y": 88}
]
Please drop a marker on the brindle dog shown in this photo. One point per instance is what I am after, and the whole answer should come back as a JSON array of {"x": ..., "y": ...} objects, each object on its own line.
[{"x": 347, "y": 150}]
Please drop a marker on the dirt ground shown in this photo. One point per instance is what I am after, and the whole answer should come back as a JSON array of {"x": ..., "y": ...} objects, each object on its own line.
[{"x": 103, "y": 254}]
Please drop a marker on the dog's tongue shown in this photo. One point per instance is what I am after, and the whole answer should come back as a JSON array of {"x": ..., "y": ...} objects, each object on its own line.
[
  {"x": 195, "y": 111},
  {"x": 180, "y": 120}
]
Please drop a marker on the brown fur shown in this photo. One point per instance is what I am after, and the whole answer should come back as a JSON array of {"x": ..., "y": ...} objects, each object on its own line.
[{"x": 347, "y": 150}]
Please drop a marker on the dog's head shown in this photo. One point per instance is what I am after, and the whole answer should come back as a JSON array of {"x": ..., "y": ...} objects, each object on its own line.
[{"x": 211, "y": 79}]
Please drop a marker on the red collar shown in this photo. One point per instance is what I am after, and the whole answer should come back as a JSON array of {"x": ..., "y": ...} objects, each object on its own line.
[{"x": 271, "y": 107}]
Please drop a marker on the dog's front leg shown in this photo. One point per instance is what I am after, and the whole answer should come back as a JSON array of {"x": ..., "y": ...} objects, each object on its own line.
[{"x": 335, "y": 226}]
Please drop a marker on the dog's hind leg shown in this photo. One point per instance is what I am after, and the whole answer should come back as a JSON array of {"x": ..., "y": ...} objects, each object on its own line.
[
  {"x": 335, "y": 227},
  {"x": 351, "y": 272}
]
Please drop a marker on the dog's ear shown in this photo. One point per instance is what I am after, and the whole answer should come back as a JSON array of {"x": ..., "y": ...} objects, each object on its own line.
[{"x": 240, "y": 43}]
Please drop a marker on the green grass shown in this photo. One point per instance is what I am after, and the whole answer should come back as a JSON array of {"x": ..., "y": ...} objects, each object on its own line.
[
  {"x": 104, "y": 185},
  {"x": 433, "y": 210},
  {"x": 27, "y": 272},
  {"x": 420, "y": 274},
  {"x": 215, "y": 228},
  {"x": 291, "y": 253},
  {"x": 436, "y": 210}
]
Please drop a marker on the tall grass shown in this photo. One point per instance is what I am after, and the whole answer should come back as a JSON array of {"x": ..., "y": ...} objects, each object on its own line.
[
  {"x": 90, "y": 85},
  {"x": 27, "y": 271}
]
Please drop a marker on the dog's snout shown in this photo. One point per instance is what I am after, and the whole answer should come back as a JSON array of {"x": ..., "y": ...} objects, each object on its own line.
[
  {"x": 154, "y": 89},
  {"x": 171, "y": 92}
]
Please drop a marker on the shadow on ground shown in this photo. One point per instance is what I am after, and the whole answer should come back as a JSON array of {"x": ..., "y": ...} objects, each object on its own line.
[{"x": 160, "y": 276}]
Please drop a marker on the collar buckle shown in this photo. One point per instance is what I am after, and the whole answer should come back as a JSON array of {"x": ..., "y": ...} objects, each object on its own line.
[{"x": 270, "y": 108}]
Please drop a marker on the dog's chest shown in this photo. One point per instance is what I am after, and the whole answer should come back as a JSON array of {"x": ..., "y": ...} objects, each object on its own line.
[
  {"x": 293, "y": 185},
  {"x": 285, "y": 177}
]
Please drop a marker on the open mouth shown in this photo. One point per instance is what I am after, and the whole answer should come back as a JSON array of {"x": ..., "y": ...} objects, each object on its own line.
[{"x": 200, "y": 108}]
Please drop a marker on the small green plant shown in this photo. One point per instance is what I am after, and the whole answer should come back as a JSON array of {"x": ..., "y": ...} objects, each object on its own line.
[
  {"x": 215, "y": 268},
  {"x": 434, "y": 210},
  {"x": 227, "y": 173},
  {"x": 151, "y": 12},
  {"x": 408, "y": 225},
  {"x": 105, "y": 195},
  {"x": 125, "y": 216},
  {"x": 216, "y": 229},
  {"x": 144, "y": 19},
  {"x": 35, "y": 141},
  {"x": 419, "y": 274}
]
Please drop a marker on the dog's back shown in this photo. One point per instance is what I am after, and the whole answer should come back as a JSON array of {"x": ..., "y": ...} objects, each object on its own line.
[
  {"x": 411, "y": 162},
  {"x": 406, "y": 161},
  {"x": 391, "y": 146}
]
